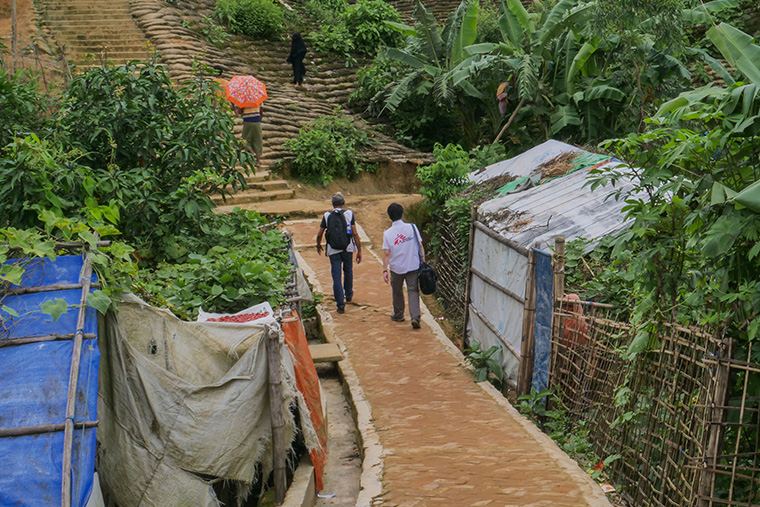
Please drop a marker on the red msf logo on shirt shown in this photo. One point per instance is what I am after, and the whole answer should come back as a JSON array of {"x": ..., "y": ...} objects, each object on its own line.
[{"x": 399, "y": 239}]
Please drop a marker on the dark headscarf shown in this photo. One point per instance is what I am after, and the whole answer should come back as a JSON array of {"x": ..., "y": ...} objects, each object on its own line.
[{"x": 297, "y": 48}]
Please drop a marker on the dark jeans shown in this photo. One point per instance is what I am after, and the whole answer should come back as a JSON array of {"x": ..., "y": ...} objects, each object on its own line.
[{"x": 346, "y": 259}]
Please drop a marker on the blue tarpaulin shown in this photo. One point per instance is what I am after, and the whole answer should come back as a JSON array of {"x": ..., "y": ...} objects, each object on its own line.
[
  {"x": 542, "y": 330},
  {"x": 34, "y": 381}
]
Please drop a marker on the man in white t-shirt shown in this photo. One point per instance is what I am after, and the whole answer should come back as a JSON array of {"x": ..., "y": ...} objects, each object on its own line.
[
  {"x": 341, "y": 257},
  {"x": 402, "y": 254}
]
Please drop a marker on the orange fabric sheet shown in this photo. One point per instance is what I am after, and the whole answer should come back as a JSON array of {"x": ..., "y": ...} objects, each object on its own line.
[{"x": 307, "y": 383}]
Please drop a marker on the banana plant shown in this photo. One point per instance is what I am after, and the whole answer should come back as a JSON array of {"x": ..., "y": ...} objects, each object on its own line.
[{"x": 440, "y": 60}]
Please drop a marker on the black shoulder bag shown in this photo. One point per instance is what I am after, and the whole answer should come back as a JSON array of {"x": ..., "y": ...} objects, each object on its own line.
[{"x": 427, "y": 275}]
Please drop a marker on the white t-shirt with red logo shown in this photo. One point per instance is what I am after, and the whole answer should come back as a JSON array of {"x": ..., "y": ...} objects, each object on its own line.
[{"x": 405, "y": 251}]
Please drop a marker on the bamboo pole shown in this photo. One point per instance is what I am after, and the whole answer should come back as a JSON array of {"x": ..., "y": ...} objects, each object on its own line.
[
  {"x": 10, "y": 342},
  {"x": 275, "y": 408},
  {"x": 715, "y": 442},
  {"x": 528, "y": 325},
  {"x": 68, "y": 435},
  {"x": 558, "y": 295},
  {"x": 14, "y": 36},
  {"x": 48, "y": 288},
  {"x": 42, "y": 428},
  {"x": 496, "y": 285},
  {"x": 468, "y": 280},
  {"x": 501, "y": 239}
]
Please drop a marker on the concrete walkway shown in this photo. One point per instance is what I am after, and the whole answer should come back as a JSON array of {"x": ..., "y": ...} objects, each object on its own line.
[{"x": 440, "y": 438}]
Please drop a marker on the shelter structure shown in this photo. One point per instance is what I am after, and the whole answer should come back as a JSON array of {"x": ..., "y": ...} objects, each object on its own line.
[{"x": 509, "y": 280}]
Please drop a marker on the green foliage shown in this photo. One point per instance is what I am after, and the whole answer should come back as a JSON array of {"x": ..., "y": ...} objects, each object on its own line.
[
  {"x": 348, "y": 28},
  {"x": 239, "y": 261},
  {"x": 22, "y": 107},
  {"x": 697, "y": 246},
  {"x": 325, "y": 12},
  {"x": 488, "y": 24},
  {"x": 371, "y": 81},
  {"x": 255, "y": 18},
  {"x": 366, "y": 21},
  {"x": 441, "y": 63},
  {"x": 333, "y": 39},
  {"x": 328, "y": 148},
  {"x": 446, "y": 176},
  {"x": 215, "y": 34},
  {"x": 486, "y": 363},
  {"x": 155, "y": 149}
]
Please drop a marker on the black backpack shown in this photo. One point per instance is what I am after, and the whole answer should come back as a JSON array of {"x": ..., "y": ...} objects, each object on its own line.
[{"x": 337, "y": 231}]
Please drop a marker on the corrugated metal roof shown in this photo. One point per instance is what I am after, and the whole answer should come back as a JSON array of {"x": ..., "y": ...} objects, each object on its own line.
[
  {"x": 563, "y": 207},
  {"x": 524, "y": 163}
]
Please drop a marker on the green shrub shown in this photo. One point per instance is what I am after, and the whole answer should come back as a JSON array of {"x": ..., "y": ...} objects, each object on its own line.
[
  {"x": 215, "y": 34},
  {"x": 327, "y": 148},
  {"x": 365, "y": 21},
  {"x": 332, "y": 39},
  {"x": 488, "y": 24},
  {"x": 255, "y": 18},
  {"x": 325, "y": 12},
  {"x": 371, "y": 81},
  {"x": 236, "y": 263},
  {"x": 446, "y": 176}
]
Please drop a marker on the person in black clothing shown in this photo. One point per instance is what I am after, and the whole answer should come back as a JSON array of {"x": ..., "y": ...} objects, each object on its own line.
[{"x": 296, "y": 56}]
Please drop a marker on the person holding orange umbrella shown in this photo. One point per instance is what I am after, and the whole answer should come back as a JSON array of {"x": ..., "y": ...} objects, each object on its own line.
[{"x": 247, "y": 94}]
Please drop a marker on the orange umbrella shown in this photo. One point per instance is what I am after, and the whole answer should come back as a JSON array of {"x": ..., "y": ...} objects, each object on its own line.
[{"x": 245, "y": 91}]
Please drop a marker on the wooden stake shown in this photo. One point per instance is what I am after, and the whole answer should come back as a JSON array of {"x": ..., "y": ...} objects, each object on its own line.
[
  {"x": 68, "y": 432},
  {"x": 272, "y": 338},
  {"x": 528, "y": 325},
  {"x": 558, "y": 294},
  {"x": 468, "y": 280}
]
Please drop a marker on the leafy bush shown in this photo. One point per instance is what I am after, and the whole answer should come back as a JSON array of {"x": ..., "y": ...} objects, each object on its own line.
[
  {"x": 325, "y": 12},
  {"x": 237, "y": 262},
  {"x": 333, "y": 39},
  {"x": 215, "y": 34},
  {"x": 488, "y": 24},
  {"x": 365, "y": 21},
  {"x": 485, "y": 362},
  {"x": 327, "y": 148},
  {"x": 21, "y": 105},
  {"x": 155, "y": 149},
  {"x": 255, "y": 18},
  {"x": 446, "y": 176},
  {"x": 371, "y": 81},
  {"x": 357, "y": 28}
]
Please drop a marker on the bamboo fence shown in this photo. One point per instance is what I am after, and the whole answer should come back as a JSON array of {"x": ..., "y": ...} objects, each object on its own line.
[{"x": 683, "y": 415}]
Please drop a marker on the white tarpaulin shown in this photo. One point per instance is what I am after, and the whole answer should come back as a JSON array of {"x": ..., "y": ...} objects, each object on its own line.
[{"x": 182, "y": 404}]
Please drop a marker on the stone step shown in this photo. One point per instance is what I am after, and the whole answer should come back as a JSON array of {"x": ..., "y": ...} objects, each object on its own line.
[{"x": 251, "y": 196}]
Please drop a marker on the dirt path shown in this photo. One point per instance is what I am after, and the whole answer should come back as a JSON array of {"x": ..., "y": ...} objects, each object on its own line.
[{"x": 445, "y": 439}]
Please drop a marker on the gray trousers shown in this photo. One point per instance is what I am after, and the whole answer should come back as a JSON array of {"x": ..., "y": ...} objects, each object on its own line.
[{"x": 412, "y": 290}]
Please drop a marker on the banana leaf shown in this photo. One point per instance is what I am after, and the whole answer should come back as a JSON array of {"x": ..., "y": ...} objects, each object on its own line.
[
  {"x": 703, "y": 13},
  {"x": 405, "y": 58},
  {"x": 523, "y": 16},
  {"x": 584, "y": 53},
  {"x": 403, "y": 29},
  {"x": 714, "y": 64},
  {"x": 511, "y": 30},
  {"x": 737, "y": 47},
  {"x": 750, "y": 197},
  {"x": 467, "y": 31},
  {"x": 565, "y": 116},
  {"x": 555, "y": 18}
]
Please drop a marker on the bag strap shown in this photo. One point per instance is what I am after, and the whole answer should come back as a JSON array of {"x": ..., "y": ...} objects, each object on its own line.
[{"x": 417, "y": 240}]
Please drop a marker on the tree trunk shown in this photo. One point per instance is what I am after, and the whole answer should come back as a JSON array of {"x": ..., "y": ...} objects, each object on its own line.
[{"x": 511, "y": 119}]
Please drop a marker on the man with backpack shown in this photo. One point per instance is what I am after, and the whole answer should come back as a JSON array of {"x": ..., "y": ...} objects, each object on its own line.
[
  {"x": 402, "y": 256},
  {"x": 339, "y": 228}
]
